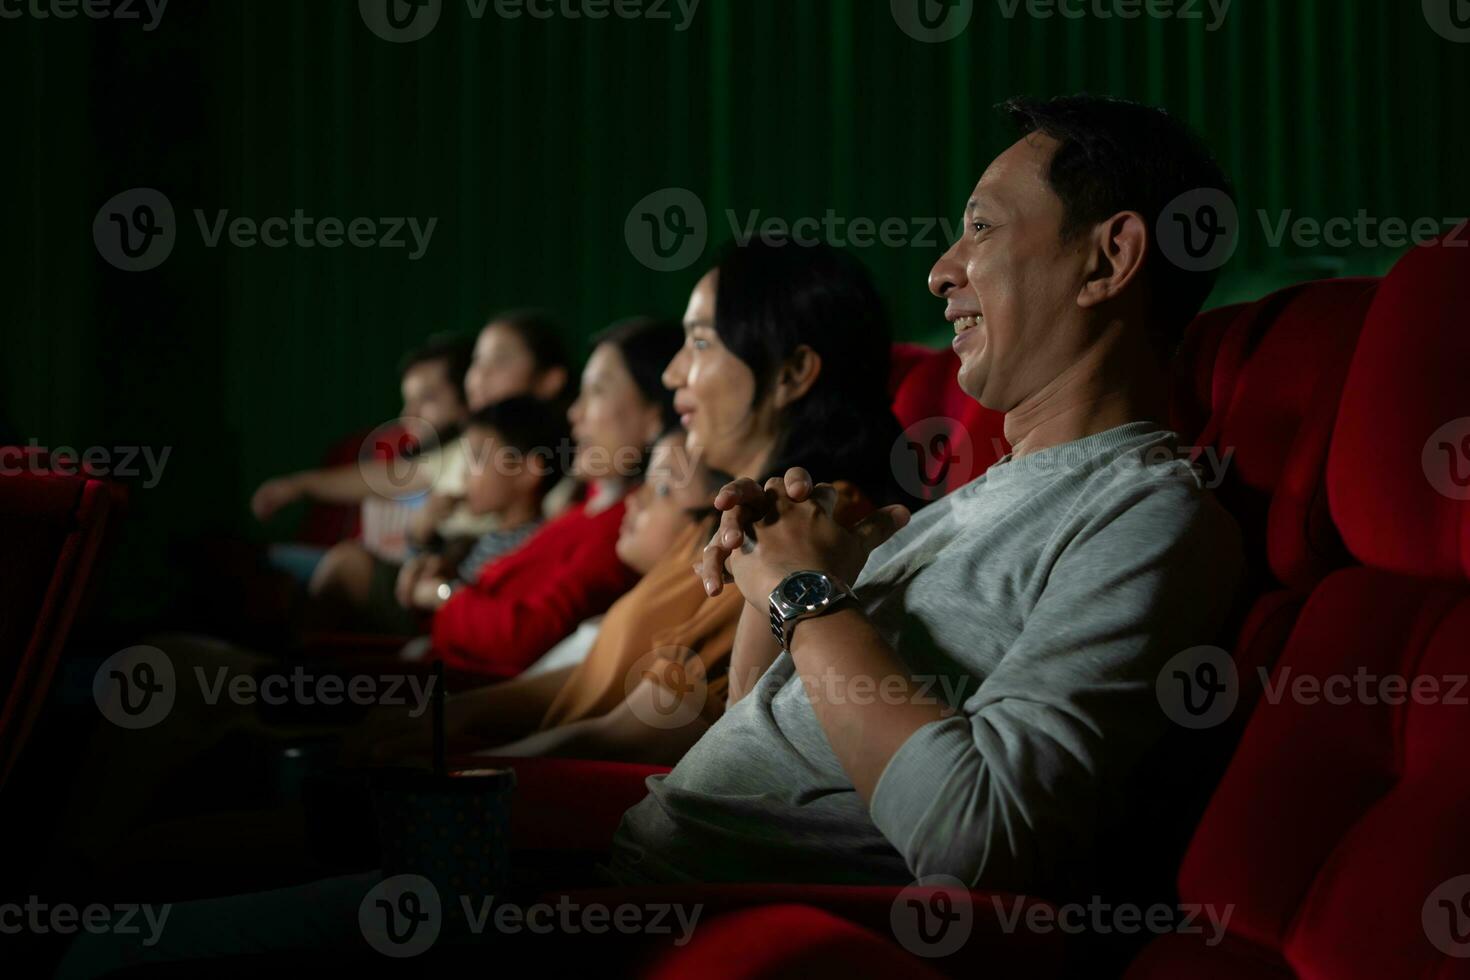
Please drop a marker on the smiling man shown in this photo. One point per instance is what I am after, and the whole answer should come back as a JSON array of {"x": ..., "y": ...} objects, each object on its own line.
[{"x": 977, "y": 703}]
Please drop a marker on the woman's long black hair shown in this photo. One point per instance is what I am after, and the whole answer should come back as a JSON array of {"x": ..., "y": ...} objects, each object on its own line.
[{"x": 774, "y": 295}]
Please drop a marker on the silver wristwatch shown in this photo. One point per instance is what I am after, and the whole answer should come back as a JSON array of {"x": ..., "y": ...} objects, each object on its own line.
[{"x": 803, "y": 595}]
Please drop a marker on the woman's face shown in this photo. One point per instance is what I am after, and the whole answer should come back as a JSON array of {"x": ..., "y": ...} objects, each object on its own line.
[
  {"x": 713, "y": 390},
  {"x": 503, "y": 367},
  {"x": 612, "y": 423},
  {"x": 659, "y": 510}
]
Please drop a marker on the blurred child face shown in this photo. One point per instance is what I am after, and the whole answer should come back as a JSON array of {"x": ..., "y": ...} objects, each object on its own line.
[
  {"x": 612, "y": 422},
  {"x": 499, "y": 476},
  {"x": 430, "y": 394},
  {"x": 502, "y": 368},
  {"x": 659, "y": 510}
]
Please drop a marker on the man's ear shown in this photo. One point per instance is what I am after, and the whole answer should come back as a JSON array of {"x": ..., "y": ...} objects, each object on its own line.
[
  {"x": 549, "y": 384},
  {"x": 1117, "y": 249},
  {"x": 797, "y": 376}
]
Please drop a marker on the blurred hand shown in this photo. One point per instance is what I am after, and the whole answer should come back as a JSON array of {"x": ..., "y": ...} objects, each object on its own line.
[
  {"x": 426, "y": 593},
  {"x": 272, "y": 496},
  {"x": 414, "y": 571},
  {"x": 408, "y": 577},
  {"x": 428, "y": 517}
]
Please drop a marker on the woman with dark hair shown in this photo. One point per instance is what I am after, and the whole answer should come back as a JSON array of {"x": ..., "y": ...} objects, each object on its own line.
[
  {"x": 526, "y": 601},
  {"x": 784, "y": 362},
  {"x": 757, "y": 379},
  {"x": 789, "y": 366}
]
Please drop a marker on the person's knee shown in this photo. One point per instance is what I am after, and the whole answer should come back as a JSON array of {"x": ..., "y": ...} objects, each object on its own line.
[{"x": 344, "y": 572}]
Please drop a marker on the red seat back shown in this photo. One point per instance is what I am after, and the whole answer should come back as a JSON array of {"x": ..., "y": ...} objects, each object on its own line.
[
  {"x": 52, "y": 527},
  {"x": 1277, "y": 376},
  {"x": 949, "y": 438},
  {"x": 1192, "y": 371},
  {"x": 1268, "y": 377},
  {"x": 1337, "y": 836}
]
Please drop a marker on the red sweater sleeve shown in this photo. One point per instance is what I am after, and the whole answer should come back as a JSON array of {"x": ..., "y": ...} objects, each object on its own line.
[{"x": 534, "y": 597}]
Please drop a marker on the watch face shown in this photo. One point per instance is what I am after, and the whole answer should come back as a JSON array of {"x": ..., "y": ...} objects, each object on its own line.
[{"x": 806, "y": 589}]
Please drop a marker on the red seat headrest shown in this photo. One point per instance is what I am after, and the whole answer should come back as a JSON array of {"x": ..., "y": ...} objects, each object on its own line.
[
  {"x": 949, "y": 438},
  {"x": 1255, "y": 388},
  {"x": 1192, "y": 370},
  {"x": 1398, "y": 477}
]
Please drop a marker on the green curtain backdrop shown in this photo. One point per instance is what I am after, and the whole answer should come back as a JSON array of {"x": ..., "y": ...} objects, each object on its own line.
[{"x": 528, "y": 141}]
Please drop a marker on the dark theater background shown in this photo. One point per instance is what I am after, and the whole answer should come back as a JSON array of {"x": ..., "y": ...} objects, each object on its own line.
[{"x": 521, "y": 154}]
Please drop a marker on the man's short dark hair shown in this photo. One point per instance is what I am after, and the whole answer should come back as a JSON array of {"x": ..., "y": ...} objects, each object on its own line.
[
  {"x": 531, "y": 427},
  {"x": 1115, "y": 155},
  {"x": 454, "y": 350}
]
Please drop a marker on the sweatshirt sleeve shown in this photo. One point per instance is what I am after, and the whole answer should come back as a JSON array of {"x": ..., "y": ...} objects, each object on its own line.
[
  {"x": 503, "y": 630},
  {"x": 1007, "y": 788}
]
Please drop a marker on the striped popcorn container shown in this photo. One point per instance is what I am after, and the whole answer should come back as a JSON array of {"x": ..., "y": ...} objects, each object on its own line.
[{"x": 385, "y": 525}]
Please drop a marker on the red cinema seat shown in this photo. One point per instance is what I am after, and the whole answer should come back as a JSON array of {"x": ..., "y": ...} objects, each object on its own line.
[
  {"x": 982, "y": 937},
  {"x": 1276, "y": 370},
  {"x": 1277, "y": 377},
  {"x": 1337, "y": 837},
  {"x": 949, "y": 438},
  {"x": 1192, "y": 371},
  {"x": 52, "y": 526},
  {"x": 797, "y": 942}
]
